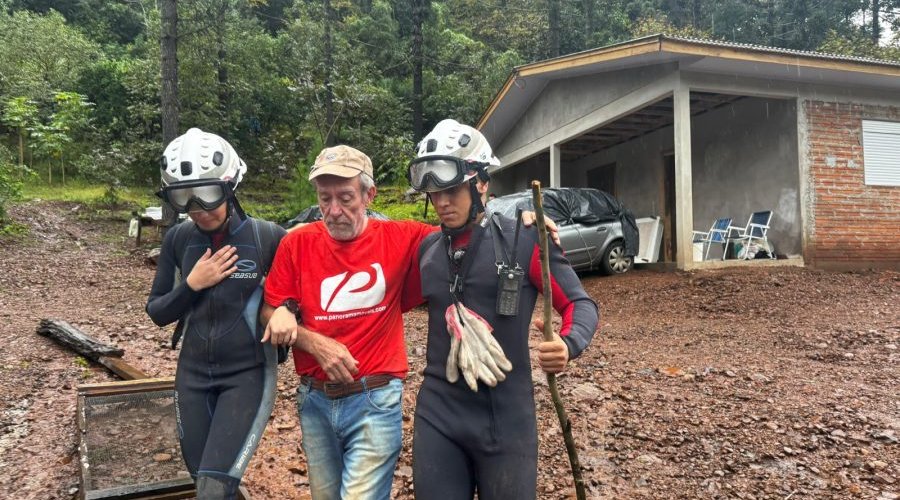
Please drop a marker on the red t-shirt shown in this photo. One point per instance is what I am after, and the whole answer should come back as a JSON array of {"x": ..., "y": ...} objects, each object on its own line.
[{"x": 352, "y": 291}]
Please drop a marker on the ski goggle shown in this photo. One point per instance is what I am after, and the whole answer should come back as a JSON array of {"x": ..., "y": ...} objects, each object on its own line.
[
  {"x": 436, "y": 173},
  {"x": 205, "y": 193}
]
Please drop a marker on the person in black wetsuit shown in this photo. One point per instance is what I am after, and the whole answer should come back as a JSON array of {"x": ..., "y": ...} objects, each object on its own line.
[
  {"x": 485, "y": 441},
  {"x": 225, "y": 380}
]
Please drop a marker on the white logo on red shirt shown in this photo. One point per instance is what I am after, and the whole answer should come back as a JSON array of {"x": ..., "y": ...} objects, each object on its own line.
[{"x": 342, "y": 293}]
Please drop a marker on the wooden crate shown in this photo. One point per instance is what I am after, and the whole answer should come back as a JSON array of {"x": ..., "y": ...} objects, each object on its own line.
[{"x": 121, "y": 399}]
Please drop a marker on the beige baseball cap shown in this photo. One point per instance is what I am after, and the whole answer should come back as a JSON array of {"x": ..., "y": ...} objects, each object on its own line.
[{"x": 342, "y": 161}]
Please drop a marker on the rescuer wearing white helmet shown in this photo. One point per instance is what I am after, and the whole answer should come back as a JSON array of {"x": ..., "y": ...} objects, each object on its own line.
[
  {"x": 225, "y": 380},
  {"x": 475, "y": 428},
  {"x": 200, "y": 171},
  {"x": 450, "y": 155}
]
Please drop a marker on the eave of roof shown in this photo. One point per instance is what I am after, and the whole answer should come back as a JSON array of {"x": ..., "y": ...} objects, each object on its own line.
[{"x": 678, "y": 46}]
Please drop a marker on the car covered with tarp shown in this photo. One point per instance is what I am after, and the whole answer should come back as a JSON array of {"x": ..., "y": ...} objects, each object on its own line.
[{"x": 595, "y": 229}]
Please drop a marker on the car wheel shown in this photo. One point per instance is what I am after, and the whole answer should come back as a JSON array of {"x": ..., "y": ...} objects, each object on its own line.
[{"x": 614, "y": 259}]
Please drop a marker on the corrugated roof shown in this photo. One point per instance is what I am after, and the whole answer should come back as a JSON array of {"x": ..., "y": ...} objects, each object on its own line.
[
  {"x": 718, "y": 43},
  {"x": 777, "y": 50}
]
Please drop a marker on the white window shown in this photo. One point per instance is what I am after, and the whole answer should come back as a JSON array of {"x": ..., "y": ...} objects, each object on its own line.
[{"x": 881, "y": 152}]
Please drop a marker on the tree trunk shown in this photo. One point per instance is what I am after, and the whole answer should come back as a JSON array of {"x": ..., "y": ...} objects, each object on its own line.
[
  {"x": 169, "y": 83},
  {"x": 222, "y": 65},
  {"x": 553, "y": 18},
  {"x": 675, "y": 12},
  {"x": 62, "y": 167},
  {"x": 68, "y": 336},
  {"x": 169, "y": 69},
  {"x": 222, "y": 83},
  {"x": 21, "y": 148},
  {"x": 329, "y": 70},
  {"x": 876, "y": 24},
  {"x": 770, "y": 20},
  {"x": 418, "y": 14},
  {"x": 695, "y": 14},
  {"x": 589, "y": 28},
  {"x": 74, "y": 339}
]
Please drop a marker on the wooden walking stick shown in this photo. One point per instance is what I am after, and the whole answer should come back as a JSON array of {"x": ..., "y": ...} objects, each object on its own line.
[{"x": 549, "y": 336}]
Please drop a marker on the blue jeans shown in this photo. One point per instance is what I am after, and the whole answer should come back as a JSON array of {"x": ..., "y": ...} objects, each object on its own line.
[{"x": 351, "y": 443}]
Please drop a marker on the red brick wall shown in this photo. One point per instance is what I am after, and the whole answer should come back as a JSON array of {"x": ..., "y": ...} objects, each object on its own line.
[{"x": 853, "y": 225}]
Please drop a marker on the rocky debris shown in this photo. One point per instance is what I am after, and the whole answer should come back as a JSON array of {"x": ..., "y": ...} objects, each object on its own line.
[{"x": 153, "y": 255}]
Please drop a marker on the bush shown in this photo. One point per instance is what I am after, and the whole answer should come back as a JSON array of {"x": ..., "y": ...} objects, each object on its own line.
[
  {"x": 391, "y": 202},
  {"x": 117, "y": 164}
]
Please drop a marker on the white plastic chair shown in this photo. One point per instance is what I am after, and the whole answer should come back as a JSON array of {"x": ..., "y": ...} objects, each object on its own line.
[
  {"x": 756, "y": 231},
  {"x": 718, "y": 233}
]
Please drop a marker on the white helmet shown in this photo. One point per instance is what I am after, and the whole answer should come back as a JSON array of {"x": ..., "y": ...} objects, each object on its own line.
[
  {"x": 451, "y": 138},
  {"x": 200, "y": 155},
  {"x": 452, "y": 153}
]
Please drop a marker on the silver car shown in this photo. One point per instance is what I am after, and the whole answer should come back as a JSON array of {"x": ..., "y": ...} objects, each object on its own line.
[{"x": 595, "y": 230}]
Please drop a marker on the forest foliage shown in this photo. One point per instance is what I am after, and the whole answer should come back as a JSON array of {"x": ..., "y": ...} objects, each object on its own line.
[{"x": 80, "y": 79}]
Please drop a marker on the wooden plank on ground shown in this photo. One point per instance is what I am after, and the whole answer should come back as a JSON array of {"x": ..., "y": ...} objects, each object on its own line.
[
  {"x": 122, "y": 368},
  {"x": 127, "y": 386}
]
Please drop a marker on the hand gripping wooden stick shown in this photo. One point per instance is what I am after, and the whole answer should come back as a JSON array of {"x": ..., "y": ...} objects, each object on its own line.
[{"x": 549, "y": 336}]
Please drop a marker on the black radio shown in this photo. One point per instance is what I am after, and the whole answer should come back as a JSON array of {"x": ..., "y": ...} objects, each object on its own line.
[{"x": 510, "y": 284}]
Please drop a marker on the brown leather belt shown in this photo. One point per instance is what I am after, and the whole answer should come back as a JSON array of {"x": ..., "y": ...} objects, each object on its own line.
[{"x": 336, "y": 390}]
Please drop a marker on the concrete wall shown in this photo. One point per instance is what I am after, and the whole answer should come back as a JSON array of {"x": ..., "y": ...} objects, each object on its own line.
[
  {"x": 639, "y": 171},
  {"x": 565, "y": 101},
  {"x": 744, "y": 159},
  {"x": 851, "y": 225}
]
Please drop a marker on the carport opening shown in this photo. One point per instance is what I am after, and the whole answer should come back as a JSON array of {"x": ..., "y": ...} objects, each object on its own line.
[{"x": 743, "y": 159}]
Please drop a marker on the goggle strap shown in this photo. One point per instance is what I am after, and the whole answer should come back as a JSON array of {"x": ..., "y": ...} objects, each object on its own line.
[{"x": 237, "y": 207}]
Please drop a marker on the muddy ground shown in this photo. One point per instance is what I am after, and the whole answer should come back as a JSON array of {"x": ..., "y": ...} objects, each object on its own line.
[{"x": 748, "y": 383}]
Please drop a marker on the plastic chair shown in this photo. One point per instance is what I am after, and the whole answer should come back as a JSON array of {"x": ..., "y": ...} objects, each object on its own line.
[
  {"x": 756, "y": 231},
  {"x": 718, "y": 233}
]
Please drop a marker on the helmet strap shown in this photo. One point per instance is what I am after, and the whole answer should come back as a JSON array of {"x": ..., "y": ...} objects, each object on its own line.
[
  {"x": 233, "y": 203},
  {"x": 477, "y": 206},
  {"x": 482, "y": 172}
]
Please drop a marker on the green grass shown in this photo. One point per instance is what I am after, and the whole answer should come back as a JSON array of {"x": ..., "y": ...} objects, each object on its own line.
[
  {"x": 267, "y": 201},
  {"x": 389, "y": 201},
  {"x": 270, "y": 202},
  {"x": 79, "y": 191},
  {"x": 12, "y": 230},
  {"x": 100, "y": 202}
]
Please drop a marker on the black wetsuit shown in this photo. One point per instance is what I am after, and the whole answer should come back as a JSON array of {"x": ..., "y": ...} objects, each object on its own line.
[
  {"x": 487, "y": 440},
  {"x": 225, "y": 380}
]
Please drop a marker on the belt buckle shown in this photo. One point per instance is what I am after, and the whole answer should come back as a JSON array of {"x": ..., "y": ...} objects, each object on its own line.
[{"x": 334, "y": 389}]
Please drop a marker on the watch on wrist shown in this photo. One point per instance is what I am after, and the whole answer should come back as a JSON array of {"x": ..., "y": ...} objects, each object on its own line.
[{"x": 292, "y": 306}]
